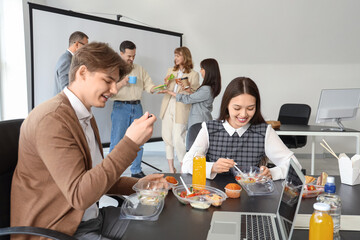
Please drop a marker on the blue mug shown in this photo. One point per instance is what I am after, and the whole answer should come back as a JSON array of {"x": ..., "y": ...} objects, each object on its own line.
[{"x": 132, "y": 79}]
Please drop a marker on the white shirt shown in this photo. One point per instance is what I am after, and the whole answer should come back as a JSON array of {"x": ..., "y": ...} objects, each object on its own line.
[
  {"x": 70, "y": 52},
  {"x": 275, "y": 150},
  {"x": 84, "y": 117}
]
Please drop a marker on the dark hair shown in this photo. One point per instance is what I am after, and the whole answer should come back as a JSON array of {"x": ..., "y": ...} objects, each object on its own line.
[
  {"x": 97, "y": 56},
  {"x": 236, "y": 87},
  {"x": 212, "y": 76},
  {"x": 188, "y": 63},
  {"x": 76, "y": 37},
  {"x": 127, "y": 45}
]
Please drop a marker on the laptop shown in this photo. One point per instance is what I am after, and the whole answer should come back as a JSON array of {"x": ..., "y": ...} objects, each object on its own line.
[{"x": 254, "y": 225}]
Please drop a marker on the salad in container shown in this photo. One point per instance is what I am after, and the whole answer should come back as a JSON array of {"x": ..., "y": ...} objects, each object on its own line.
[
  {"x": 151, "y": 192},
  {"x": 252, "y": 182},
  {"x": 200, "y": 197}
]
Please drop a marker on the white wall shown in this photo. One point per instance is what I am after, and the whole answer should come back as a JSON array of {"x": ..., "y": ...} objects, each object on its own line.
[
  {"x": 13, "y": 88},
  {"x": 292, "y": 49}
]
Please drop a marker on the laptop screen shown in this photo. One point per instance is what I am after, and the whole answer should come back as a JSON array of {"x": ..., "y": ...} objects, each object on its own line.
[{"x": 290, "y": 199}]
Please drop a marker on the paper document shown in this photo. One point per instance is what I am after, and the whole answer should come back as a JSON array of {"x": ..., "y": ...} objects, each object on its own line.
[{"x": 347, "y": 222}]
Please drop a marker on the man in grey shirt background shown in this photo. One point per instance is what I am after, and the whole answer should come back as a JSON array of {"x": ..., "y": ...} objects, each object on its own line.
[{"x": 76, "y": 41}]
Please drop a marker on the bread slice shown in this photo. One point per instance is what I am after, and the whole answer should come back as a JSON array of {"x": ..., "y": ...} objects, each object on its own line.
[
  {"x": 322, "y": 179},
  {"x": 324, "y": 176}
]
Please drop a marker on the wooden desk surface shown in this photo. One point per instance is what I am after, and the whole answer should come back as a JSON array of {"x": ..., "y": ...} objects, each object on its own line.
[{"x": 178, "y": 221}]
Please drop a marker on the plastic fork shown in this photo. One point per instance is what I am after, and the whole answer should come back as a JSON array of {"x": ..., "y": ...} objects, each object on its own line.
[{"x": 187, "y": 190}]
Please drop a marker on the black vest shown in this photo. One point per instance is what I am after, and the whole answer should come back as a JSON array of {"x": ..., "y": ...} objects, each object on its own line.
[{"x": 247, "y": 150}]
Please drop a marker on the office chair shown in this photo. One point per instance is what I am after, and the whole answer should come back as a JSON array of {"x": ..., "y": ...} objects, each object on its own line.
[
  {"x": 9, "y": 143},
  {"x": 192, "y": 134},
  {"x": 294, "y": 114}
]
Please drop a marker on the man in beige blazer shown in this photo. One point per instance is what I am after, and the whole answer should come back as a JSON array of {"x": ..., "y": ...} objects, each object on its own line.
[{"x": 61, "y": 173}]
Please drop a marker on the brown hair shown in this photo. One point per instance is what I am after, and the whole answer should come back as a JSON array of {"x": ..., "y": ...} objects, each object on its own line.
[
  {"x": 77, "y": 37},
  {"x": 188, "y": 63},
  {"x": 98, "y": 56},
  {"x": 127, "y": 45},
  {"x": 236, "y": 87}
]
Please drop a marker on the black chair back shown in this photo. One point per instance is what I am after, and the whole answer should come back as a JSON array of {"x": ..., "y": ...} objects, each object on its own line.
[
  {"x": 295, "y": 114},
  {"x": 9, "y": 143},
  {"x": 9, "y": 146},
  {"x": 192, "y": 134}
]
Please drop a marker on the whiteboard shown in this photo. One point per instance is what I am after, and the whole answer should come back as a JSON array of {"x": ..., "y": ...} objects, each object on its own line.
[{"x": 50, "y": 29}]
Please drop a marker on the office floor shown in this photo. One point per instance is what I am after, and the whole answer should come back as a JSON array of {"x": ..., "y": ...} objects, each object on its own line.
[{"x": 154, "y": 154}]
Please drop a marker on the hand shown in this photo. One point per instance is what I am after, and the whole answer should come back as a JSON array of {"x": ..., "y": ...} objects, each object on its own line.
[
  {"x": 166, "y": 80},
  {"x": 264, "y": 171},
  {"x": 181, "y": 84},
  {"x": 158, "y": 181},
  {"x": 222, "y": 165},
  {"x": 122, "y": 82},
  {"x": 169, "y": 92},
  {"x": 141, "y": 129}
]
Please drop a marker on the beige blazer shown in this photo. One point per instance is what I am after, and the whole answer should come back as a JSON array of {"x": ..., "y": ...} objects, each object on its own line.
[{"x": 181, "y": 110}]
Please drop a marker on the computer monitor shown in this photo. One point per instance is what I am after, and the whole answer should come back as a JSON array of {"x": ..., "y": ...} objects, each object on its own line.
[{"x": 336, "y": 105}]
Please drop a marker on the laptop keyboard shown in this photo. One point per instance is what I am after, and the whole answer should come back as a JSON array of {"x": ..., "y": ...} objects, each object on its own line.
[{"x": 255, "y": 227}]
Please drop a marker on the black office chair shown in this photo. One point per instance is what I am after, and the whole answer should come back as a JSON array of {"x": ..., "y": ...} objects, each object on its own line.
[
  {"x": 192, "y": 134},
  {"x": 9, "y": 143},
  {"x": 295, "y": 114}
]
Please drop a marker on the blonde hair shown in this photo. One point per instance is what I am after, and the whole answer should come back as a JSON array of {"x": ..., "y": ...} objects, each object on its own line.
[{"x": 188, "y": 63}]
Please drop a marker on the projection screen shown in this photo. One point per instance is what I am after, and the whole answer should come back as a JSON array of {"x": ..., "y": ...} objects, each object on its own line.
[{"x": 50, "y": 29}]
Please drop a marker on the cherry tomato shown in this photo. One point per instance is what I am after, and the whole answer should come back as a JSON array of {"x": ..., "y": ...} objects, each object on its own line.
[
  {"x": 311, "y": 188},
  {"x": 183, "y": 194}
]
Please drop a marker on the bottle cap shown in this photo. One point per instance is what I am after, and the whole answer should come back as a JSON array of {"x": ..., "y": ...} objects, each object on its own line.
[
  {"x": 321, "y": 206},
  {"x": 330, "y": 179}
]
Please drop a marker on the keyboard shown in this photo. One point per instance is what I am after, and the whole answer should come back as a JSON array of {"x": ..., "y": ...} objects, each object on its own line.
[{"x": 254, "y": 227}]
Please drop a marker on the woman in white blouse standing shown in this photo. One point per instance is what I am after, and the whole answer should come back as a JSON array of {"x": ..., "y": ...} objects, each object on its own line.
[
  {"x": 174, "y": 114},
  {"x": 240, "y": 136}
]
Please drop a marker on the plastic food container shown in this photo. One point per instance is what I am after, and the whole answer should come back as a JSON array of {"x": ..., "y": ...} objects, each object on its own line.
[
  {"x": 171, "y": 180},
  {"x": 311, "y": 191},
  {"x": 200, "y": 199},
  {"x": 134, "y": 209},
  {"x": 233, "y": 193},
  {"x": 149, "y": 191},
  {"x": 160, "y": 88},
  {"x": 291, "y": 193},
  {"x": 253, "y": 184}
]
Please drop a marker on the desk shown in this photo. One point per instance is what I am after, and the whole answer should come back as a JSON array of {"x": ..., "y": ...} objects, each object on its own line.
[
  {"x": 178, "y": 221},
  {"x": 313, "y": 131}
]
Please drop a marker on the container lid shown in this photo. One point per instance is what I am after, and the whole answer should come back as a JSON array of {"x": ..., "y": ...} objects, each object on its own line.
[
  {"x": 253, "y": 183},
  {"x": 137, "y": 207},
  {"x": 206, "y": 195},
  {"x": 152, "y": 188},
  {"x": 321, "y": 206}
]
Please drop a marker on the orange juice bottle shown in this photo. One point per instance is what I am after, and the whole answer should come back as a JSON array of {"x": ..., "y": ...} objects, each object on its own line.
[
  {"x": 321, "y": 223},
  {"x": 199, "y": 170}
]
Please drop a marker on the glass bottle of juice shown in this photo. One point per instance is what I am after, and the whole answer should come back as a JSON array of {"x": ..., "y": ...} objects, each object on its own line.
[
  {"x": 321, "y": 223},
  {"x": 199, "y": 170}
]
